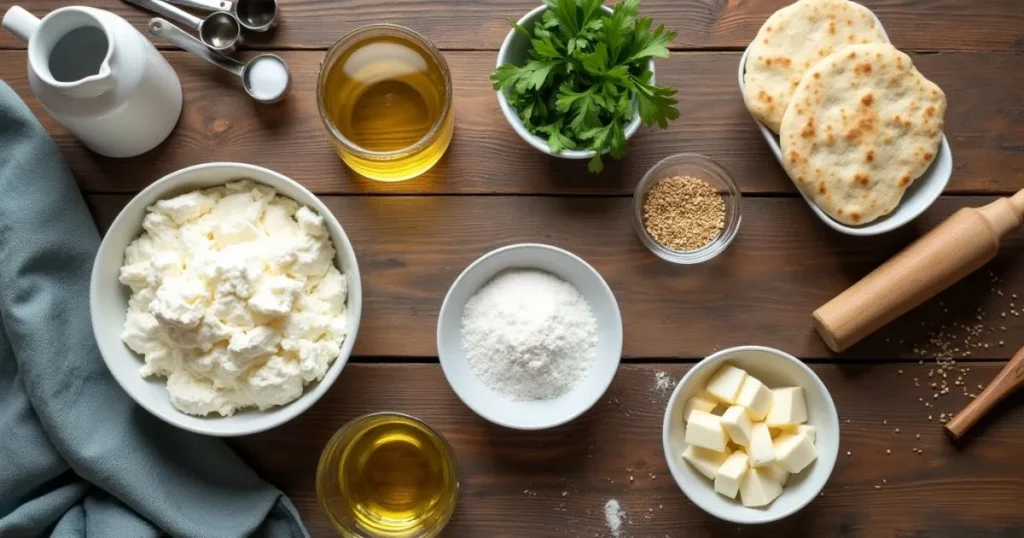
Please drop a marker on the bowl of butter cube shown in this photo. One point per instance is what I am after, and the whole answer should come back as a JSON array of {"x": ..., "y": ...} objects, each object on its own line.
[{"x": 751, "y": 434}]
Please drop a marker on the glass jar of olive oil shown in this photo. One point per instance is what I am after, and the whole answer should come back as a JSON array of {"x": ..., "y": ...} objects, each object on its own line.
[
  {"x": 385, "y": 96},
  {"x": 387, "y": 475}
]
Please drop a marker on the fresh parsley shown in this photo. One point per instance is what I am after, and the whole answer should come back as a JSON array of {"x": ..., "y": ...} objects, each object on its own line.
[{"x": 587, "y": 73}]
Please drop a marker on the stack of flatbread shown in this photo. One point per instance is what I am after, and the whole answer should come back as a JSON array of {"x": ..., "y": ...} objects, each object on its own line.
[{"x": 856, "y": 121}]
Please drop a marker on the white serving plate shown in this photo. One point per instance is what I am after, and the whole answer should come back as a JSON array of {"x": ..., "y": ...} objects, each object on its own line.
[
  {"x": 776, "y": 369},
  {"x": 919, "y": 197},
  {"x": 534, "y": 414},
  {"x": 108, "y": 300}
]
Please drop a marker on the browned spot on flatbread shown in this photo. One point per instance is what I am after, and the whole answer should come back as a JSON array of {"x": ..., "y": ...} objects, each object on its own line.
[
  {"x": 927, "y": 156},
  {"x": 852, "y": 55},
  {"x": 867, "y": 99},
  {"x": 930, "y": 111},
  {"x": 860, "y": 179},
  {"x": 904, "y": 180},
  {"x": 808, "y": 130},
  {"x": 870, "y": 155},
  {"x": 817, "y": 74},
  {"x": 831, "y": 28},
  {"x": 855, "y": 217},
  {"x": 861, "y": 68},
  {"x": 793, "y": 156},
  {"x": 821, "y": 187}
]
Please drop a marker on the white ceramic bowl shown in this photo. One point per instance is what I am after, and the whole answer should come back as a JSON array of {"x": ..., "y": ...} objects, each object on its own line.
[
  {"x": 919, "y": 197},
  {"x": 514, "y": 50},
  {"x": 776, "y": 369},
  {"x": 536, "y": 414},
  {"x": 108, "y": 300}
]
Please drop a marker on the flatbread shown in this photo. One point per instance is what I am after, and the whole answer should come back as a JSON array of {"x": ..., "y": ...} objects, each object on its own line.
[
  {"x": 791, "y": 41},
  {"x": 863, "y": 125}
]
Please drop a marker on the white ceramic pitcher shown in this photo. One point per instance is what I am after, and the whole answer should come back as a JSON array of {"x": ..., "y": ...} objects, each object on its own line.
[{"x": 100, "y": 78}]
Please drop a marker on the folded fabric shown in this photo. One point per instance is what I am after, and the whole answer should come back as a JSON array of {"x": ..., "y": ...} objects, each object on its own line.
[{"x": 77, "y": 456}]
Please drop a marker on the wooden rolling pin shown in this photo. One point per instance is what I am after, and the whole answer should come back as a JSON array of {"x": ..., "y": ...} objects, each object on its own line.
[
  {"x": 1010, "y": 378},
  {"x": 960, "y": 245}
]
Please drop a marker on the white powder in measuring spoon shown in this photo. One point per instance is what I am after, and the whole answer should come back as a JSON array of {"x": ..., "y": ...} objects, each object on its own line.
[
  {"x": 267, "y": 78},
  {"x": 529, "y": 335}
]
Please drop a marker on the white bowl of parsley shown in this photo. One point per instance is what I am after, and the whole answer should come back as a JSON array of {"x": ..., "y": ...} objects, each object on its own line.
[{"x": 575, "y": 78}]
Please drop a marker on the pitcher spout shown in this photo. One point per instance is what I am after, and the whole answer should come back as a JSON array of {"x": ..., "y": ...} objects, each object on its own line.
[
  {"x": 92, "y": 85},
  {"x": 71, "y": 51}
]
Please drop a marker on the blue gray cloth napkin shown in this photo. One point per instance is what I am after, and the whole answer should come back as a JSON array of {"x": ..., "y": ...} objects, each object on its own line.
[{"x": 77, "y": 456}]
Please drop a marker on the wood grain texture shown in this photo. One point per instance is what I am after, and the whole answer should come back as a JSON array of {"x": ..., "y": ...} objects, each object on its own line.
[
  {"x": 513, "y": 482},
  {"x": 783, "y": 264},
  {"x": 483, "y": 24},
  {"x": 220, "y": 123}
]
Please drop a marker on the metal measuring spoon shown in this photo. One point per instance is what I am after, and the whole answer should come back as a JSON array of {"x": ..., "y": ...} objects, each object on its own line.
[
  {"x": 219, "y": 31},
  {"x": 253, "y": 15},
  {"x": 264, "y": 77}
]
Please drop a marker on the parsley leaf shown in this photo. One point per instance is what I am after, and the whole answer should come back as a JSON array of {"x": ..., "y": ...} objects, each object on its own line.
[{"x": 587, "y": 76}]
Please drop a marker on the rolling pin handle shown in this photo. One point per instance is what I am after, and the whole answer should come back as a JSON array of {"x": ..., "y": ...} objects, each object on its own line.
[{"x": 1010, "y": 378}]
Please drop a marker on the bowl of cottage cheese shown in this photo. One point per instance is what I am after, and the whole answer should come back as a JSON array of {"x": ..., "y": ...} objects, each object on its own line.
[{"x": 225, "y": 299}]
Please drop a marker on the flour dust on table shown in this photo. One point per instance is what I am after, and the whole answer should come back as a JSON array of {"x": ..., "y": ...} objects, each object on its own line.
[{"x": 529, "y": 335}]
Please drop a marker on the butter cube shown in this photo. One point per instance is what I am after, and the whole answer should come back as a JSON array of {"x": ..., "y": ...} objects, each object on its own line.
[
  {"x": 725, "y": 384},
  {"x": 705, "y": 461},
  {"x": 788, "y": 407},
  {"x": 737, "y": 425},
  {"x": 755, "y": 397},
  {"x": 761, "y": 450},
  {"x": 699, "y": 403},
  {"x": 758, "y": 488},
  {"x": 795, "y": 451},
  {"x": 705, "y": 430},
  {"x": 780, "y": 474},
  {"x": 801, "y": 428},
  {"x": 729, "y": 475}
]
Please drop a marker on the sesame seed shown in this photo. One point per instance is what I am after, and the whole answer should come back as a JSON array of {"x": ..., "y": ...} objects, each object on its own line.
[{"x": 684, "y": 213}]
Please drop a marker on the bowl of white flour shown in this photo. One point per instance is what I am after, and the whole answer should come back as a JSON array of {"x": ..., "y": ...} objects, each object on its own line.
[
  {"x": 529, "y": 336},
  {"x": 225, "y": 299}
]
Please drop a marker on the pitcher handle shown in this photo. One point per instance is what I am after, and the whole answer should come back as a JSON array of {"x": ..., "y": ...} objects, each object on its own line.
[{"x": 21, "y": 23}]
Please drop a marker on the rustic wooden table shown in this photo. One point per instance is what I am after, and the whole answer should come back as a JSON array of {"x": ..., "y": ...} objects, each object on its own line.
[{"x": 491, "y": 189}]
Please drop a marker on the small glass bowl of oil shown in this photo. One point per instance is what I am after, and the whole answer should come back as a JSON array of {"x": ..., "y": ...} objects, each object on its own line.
[
  {"x": 387, "y": 475},
  {"x": 385, "y": 96}
]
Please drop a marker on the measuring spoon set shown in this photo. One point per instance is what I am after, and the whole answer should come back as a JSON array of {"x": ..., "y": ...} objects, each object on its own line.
[{"x": 265, "y": 77}]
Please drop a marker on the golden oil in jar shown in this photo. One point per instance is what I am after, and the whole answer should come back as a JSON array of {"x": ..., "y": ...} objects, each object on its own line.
[
  {"x": 387, "y": 475},
  {"x": 385, "y": 96}
]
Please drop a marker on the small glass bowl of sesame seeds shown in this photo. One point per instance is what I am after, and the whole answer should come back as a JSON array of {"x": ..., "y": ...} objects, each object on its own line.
[{"x": 687, "y": 209}]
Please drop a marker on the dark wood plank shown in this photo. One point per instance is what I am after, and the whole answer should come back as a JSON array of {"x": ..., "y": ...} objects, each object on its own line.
[
  {"x": 513, "y": 482},
  {"x": 220, "y": 123},
  {"x": 762, "y": 290},
  {"x": 482, "y": 25}
]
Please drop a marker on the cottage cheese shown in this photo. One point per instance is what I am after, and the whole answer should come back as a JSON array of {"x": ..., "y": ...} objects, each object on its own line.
[{"x": 235, "y": 298}]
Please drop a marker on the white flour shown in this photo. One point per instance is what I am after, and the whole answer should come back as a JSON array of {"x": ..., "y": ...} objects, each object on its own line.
[
  {"x": 614, "y": 515},
  {"x": 529, "y": 335}
]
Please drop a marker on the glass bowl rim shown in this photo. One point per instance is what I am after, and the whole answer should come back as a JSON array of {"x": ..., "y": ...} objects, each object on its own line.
[
  {"x": 330, "y": 449},
  {"x": 427, "y": 47},
  {"x": 733, "y": 214}
]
